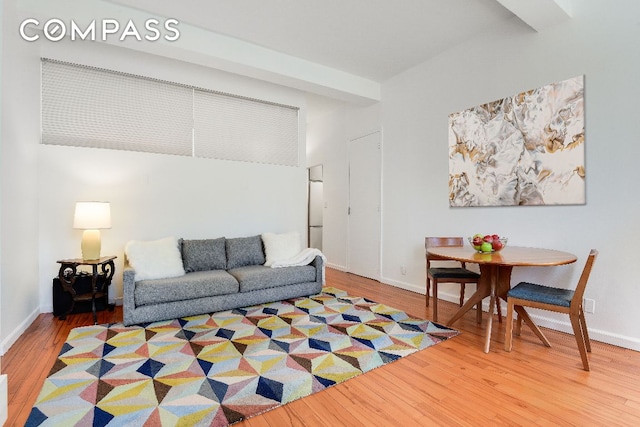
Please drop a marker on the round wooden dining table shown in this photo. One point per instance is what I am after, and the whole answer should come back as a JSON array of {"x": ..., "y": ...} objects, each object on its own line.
[{"x": 495, "y": 275}]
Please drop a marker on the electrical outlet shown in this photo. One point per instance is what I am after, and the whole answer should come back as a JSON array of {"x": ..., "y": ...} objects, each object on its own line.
[
  {"x": 403, "y": 270},
  {"x": 589, "y": 305}
]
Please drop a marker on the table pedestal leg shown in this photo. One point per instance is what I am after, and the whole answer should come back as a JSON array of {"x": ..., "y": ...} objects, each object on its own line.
[
  {"x": 495, "y": 281},
  {"x": 492, "y": 271},
  {"x": 500, "y": 284},
  {"x": 484, "y": 290}
]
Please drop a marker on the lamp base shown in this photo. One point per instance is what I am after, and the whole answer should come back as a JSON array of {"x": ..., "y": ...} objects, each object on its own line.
[{"x": 91, "y": 245}]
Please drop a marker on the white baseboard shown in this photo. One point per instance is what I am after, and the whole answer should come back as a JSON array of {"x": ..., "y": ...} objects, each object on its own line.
[
  {"x": 13, "y": 337},
  {"x": 404, "y": 285},
  {"x": 336, "y": 267},
  {"x": 594, "y": 334},
  {"x": 546, "y": 322},
  {"x": 15, "y": 334},
  {"x": 4, "y": 400}
]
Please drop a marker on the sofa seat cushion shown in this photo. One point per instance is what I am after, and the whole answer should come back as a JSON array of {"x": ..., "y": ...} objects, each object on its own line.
[
  {"x": 255, "y": 277},
  {"x": 194, "y": 285}
]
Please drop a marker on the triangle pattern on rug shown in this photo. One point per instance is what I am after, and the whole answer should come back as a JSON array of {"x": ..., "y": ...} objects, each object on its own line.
[{"x": 222, "y": 368}]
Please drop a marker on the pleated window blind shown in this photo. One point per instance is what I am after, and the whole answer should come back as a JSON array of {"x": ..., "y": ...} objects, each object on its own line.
[
  {"x": 235, "y": 128},
  {"x": 91, "y": 107},
  {"x": 88, "y": 107}
]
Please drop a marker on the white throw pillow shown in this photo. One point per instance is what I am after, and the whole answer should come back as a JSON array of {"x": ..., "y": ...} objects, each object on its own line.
[
  {"x": 156, "y": 259},
  {"x": 278, "y": 247}
]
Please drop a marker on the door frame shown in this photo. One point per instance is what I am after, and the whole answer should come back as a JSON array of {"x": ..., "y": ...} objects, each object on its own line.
[
  {"x": 310, "y": 180},
  {"x": 378, "y": 274}
]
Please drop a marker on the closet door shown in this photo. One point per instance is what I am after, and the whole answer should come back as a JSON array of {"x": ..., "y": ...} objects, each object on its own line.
[{"x": 364, "y": 206}]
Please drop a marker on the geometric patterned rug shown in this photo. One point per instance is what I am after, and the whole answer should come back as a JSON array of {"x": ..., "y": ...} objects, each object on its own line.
[{"x": 218, "y": 369}]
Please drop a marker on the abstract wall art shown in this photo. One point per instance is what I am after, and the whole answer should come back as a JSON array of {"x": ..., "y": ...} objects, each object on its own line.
[{"x": 527, "y": 149}]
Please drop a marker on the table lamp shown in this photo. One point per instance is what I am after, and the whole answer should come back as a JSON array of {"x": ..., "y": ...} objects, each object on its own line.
[{"x": 91, "y": 217}]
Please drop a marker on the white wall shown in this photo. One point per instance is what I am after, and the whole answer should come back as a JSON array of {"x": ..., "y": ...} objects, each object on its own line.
[
  {"x": 601, "y": 41},
  {"x": 328, "y": 139},
  {"x": 3, "y": 378},
  {"x": 152, "y": 196},
  {"x": 18, "y": 187}
]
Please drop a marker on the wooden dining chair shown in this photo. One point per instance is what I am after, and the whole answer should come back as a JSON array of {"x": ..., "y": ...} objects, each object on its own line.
[
  {"x": 526, "y": 294},
  {"x": 458, "y": 274}
]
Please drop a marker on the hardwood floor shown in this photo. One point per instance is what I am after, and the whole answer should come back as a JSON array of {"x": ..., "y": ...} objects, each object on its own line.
[{"x": 452, "y": 383}]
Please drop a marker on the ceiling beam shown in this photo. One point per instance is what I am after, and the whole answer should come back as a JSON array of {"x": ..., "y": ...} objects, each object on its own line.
[
  {"x": 198, "y": 46},
  {"x": 203, "y": 47},
  {"x": 539, "y": 14}
]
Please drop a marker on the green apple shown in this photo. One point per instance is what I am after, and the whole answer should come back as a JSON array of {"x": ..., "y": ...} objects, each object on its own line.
[{"x": 486, "y": 247}]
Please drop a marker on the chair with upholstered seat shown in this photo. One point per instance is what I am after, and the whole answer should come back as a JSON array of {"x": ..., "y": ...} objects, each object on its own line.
[
  {"x": 458, "y": 274},
  {"x": 553, "y": 299}
]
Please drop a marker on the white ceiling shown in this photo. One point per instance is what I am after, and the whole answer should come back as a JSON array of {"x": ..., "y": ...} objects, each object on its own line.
[
  {"x": 374, "y": 39},
  {"x": 332, "y": 49}
]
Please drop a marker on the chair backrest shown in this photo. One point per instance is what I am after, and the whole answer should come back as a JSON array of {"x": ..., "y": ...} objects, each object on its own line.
[
  {"x": 441, "y": 241},
  {"x": 576, "y": 301}
]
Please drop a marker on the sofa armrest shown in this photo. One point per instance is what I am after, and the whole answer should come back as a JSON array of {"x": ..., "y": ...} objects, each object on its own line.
[
  {"x": 318, "y": 263},
  {"x": 128, "y": 291}
]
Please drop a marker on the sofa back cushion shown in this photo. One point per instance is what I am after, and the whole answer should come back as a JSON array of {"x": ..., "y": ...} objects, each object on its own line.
[
  {"x": 204, "y": 255},
  {"x": 243, "y": 251}
]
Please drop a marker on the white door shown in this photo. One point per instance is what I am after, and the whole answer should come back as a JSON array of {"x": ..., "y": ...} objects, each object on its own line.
[{"x": 364, "y": 206}]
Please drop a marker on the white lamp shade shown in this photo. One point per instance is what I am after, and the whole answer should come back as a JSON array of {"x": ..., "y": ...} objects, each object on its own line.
[{"x": 92, "y": 215}]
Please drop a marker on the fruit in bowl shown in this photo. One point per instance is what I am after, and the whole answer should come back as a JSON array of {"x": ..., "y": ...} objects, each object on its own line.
[{"x": 487, "y": 243}]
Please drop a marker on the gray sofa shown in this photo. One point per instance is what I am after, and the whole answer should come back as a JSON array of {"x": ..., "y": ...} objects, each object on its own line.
[{"x": 220, "y": 274}]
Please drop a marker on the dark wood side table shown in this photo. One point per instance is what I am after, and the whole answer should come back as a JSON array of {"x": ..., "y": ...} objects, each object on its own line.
[{"x": 68, "y": 274}]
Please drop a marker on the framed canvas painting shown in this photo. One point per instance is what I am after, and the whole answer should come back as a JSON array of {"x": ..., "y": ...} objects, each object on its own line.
[{"x": 527, "y": 149}]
